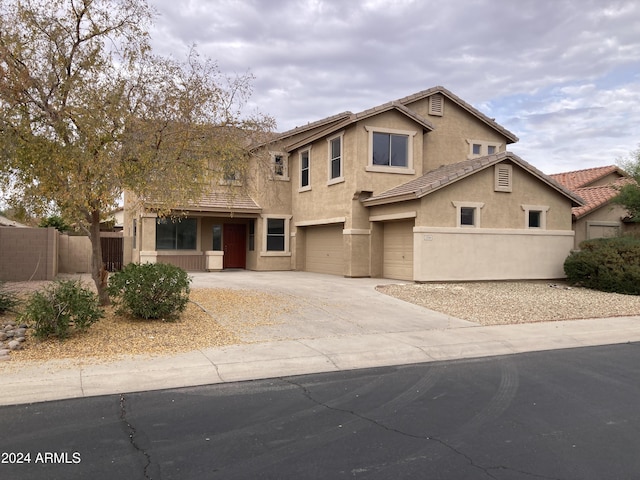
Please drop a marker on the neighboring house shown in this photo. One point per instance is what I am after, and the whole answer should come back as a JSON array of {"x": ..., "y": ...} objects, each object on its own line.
[
  {"x": 421, "y": 188},
  {"x": 599, "y": 217},
  {"x": 5, "y": 222}
]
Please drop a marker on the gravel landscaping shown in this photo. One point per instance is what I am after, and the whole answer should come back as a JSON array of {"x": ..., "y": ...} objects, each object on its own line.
[
  {"x": 218, "y": 317},
  {"x": 501, "y": 303}
]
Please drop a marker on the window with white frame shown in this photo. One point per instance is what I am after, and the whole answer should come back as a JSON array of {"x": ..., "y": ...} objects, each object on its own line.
[
  {"x": 276, "y": 235},
  {"x": 335, "y": 166},
  {"x": 468, "y": 214},
  {"x": 305, "y": 170},
  {"x": 535, "y": 216},
  {"x": 390, "y": 151},
  {"x": 480, "y": 148},
  {"x": 280, "y": 166}
]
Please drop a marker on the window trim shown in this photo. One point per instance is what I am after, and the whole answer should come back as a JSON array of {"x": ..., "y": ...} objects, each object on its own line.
[
  {"x": 287, "y": 233},
  {"x": 304, "y": 188},
  {"x": 477, "y": 206},
  {"x": 409, "y": 169},
  {"x": 543, "y": 209},
  {"x": 340, "y": 158},
  {"x": 483, "y": 147},
  {"x": 284, "y": 177}
]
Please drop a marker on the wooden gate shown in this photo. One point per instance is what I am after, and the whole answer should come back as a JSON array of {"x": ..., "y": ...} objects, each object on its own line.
[{"x": 112, "y": 252}]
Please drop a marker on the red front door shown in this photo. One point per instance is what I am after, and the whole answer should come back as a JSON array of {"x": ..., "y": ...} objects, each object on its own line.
[{"x": 234, "y": 238}]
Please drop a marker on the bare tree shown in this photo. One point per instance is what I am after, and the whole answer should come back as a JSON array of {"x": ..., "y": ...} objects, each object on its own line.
[{"x": 88, "y": 111}]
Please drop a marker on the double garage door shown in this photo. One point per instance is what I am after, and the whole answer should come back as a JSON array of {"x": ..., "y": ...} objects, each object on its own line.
[{"x": 324, "y": 252}]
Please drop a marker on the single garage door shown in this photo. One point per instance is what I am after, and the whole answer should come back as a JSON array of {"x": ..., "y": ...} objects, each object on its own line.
[
  {"x": 324, "y": 249},
  {"x": 398, "y": 250}
]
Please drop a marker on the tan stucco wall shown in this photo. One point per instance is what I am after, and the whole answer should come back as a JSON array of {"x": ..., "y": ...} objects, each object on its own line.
[
  {"x": 607, "y": 213},
  {"x": 501, "y": 209},
  {"x": 448, "y": 142},
  {"x": 442, "y": 254}
]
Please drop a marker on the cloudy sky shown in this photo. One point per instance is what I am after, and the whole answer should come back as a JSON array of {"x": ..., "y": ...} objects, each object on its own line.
[{"x": 563, "y": 75}]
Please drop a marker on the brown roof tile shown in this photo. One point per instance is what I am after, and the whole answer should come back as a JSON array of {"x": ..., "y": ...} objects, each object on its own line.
[
  {"x": 447, "y": 174},
  {"x": 227, "y": 202}
]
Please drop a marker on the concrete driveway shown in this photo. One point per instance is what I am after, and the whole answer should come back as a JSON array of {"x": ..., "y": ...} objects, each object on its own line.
[{"x": 328, "y": 305}]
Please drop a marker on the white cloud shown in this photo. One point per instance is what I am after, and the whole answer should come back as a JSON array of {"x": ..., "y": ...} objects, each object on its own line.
[{"x": 561, "y": 74}]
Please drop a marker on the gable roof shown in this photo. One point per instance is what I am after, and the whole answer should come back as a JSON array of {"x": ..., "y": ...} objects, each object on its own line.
[
  {"x": 356, "y": 117},
  {"x": 448, "y": 174},
  {"x": 596, "y": 197},
  {"x": 582, "y": 178},
  {"x": 466, "y": 106},
  {"x": 342, "y": 120}
]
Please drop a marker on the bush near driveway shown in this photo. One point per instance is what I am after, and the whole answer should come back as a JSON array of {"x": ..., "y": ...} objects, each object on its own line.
[
  {"x": 150, "y": 290},
  {"x": 606, "y": 264}
]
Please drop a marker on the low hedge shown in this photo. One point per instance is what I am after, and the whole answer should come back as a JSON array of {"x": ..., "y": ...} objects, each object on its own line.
[{"x": 606, "y": 264}]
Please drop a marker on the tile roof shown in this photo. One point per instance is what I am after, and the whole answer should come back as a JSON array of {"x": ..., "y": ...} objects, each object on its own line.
[
  {"x": 336, "y": 122},
  {"x": 598, "y": 196},
  {"x": 355, "y": 117},
  {"x": 447, "y": 174},
  {"x": 226, "y": 201},
  {"x": 582, "y": 178},
  {"x": 468, "y": 107}
]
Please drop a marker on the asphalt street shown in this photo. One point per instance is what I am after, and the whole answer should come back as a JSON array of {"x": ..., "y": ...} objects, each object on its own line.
[{"x": 562, "y": 414}]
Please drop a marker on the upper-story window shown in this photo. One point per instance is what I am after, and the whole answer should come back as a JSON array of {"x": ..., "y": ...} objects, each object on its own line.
[
  {"x": 480, "y": 148},
  {"x": 280, "y": 166},
  {"x": 390, "y": 151},
  {"x": 335, "y": 165},
  {"x": 305, "y": 170}
]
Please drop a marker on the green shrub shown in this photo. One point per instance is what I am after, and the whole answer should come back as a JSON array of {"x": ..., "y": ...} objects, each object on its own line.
[
  {"x": 8, "y": 299},
  {"x": 60, "y": 308},
  {"x": 150, "y": 290},
  {"x": 606, "y": 264}
]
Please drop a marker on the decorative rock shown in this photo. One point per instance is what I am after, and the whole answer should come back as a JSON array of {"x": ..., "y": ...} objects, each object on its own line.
[
  {"x": 14, "y": 345},
  {"x": 20, "y": 332},
  {"x": 20, "y": 339},
  {"x": 4, "y": 352},
  {"x": 3, "y": 336}
]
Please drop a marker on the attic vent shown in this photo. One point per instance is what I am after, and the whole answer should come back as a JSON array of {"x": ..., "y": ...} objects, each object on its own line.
[
  {"x": 503, "y": 178},
  {"x": 436, "y": 105}
]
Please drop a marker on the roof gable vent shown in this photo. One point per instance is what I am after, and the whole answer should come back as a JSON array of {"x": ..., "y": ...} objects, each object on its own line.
[
  {"x": 503, "y": 178},
  {"x": 436, "y": 105}
]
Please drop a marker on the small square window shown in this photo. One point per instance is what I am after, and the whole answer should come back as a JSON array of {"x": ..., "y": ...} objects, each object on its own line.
[
  {"x": 467, "y": 216},
  {"x": 476, "y": 149},
  {"x": 491, "y": 149},
  {"x": 535, "y": 219}
]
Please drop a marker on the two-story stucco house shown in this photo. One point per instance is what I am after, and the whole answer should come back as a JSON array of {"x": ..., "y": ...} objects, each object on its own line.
[{"x": 421, "y": 188}]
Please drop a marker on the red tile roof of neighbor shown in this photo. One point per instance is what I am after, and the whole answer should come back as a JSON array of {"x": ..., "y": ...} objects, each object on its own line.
[
  {"x": 594, "y": 196},
  {"x": 598, "y": 196},
  {"x": 582, "y": 178}
]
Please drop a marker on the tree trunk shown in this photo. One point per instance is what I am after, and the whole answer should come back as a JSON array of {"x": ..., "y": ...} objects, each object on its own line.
[{"x": 98, "y": 272}]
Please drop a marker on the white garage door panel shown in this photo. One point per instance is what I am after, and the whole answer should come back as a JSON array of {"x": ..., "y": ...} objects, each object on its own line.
[
  {"x": 398, "y": 250},
  {"x": 324, "y": 249}
]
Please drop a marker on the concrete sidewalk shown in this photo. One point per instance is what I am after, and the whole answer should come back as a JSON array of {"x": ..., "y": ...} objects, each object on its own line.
[{"x": 347, "y": 325}]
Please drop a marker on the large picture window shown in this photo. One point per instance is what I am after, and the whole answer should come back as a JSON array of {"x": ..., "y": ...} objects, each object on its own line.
[
  {"x": 176, "y": 234},
  {"x": 390, "y": 149}
]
